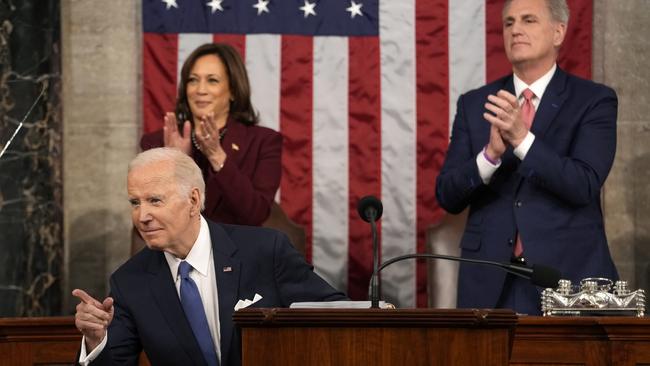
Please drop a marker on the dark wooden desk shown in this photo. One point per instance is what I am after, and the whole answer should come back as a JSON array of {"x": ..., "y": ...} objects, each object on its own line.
[
  {"x": 38, "y": 341},
  {"x": 591, "y": 341},
  {"x": 618, "y": 341}
]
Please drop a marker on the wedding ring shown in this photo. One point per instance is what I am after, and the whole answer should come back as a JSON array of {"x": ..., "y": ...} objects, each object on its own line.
[{"x": 207, "y": 136}]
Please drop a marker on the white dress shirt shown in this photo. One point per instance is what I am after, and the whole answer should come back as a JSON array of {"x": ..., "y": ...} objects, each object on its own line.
[
  {"x": 485, "y": 168},
  {"x": 201, "y": 259}
]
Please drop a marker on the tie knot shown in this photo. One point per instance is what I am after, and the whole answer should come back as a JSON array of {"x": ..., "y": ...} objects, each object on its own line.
[
  {"x": 528, "y": 95},
  {"x": 184, "y": 269}
]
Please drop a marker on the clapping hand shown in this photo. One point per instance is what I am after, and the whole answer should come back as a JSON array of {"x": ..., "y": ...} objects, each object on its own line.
[
  {"x": 207, "y": 134},
  {"x": 506, "y": 116},
  {"x": 173, "y": 138}
]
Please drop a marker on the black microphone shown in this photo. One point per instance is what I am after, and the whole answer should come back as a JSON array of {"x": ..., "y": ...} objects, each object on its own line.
[
  {"x": 539, "y": 275},
  {"x": 370, "y": 210}
]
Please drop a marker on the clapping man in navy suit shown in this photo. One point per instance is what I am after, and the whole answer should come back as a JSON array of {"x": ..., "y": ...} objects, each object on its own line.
[
  {"x": 175, "y": 298},
  {"x": 529, "y": 154}
]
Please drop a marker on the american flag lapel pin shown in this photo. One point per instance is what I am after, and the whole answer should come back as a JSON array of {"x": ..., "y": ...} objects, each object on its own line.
[
  {"x": 227, "y": 269},
  {"x": 235, "y": 146}
]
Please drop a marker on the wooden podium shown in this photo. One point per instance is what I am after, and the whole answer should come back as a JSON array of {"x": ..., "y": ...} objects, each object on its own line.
[
  {"x": 286, "y": 337},
  {"x": 376, "y": 337}
]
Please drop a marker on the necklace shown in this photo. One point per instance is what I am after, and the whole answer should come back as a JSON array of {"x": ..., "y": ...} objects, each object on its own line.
[{"x": 222, "y": 133}]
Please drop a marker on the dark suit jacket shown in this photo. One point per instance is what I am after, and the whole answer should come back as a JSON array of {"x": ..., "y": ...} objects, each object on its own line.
[
  {"x": 243, "y": 190},
  {"x": 552, "y": 197},
  {"x": 149, "y": 315}
]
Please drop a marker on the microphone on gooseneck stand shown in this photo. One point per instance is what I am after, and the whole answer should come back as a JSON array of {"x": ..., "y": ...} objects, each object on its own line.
[
  {"x": 370, "y": 210},
  {"x": 539, "y": 275}
]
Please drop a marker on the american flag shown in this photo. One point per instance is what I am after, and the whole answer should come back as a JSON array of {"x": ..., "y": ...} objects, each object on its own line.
[{"x": 364, "y": 93}]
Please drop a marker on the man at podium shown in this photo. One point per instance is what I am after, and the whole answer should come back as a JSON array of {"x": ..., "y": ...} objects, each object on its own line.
[
  {"x": 175, "y": 298},
  {"x": 529, "y": 154}
]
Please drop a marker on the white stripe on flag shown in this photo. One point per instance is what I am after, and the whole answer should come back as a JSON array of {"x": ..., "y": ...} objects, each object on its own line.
[
  {"x": 188, "y": 42},
  {"x": 330, "y": 160},
  {"x": 263, "y": 65},
  {"x": 398, "y": 163},
  {"x": 466, "y": 50}
]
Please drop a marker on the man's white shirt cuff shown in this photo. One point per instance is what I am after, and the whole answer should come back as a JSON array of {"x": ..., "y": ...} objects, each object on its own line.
[
  {"x": 521, "y": 150},
  {"x": 485, "y": 168},
  {"x": 84, "y": 359}
]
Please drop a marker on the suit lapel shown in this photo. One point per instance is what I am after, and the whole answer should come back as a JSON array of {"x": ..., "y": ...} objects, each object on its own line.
[
  {"x": 551, "y": 103},
  {"x": 164, "y": 291},
  {"x": 235, "y": 142},
  {"x": 227, "y": 271}
]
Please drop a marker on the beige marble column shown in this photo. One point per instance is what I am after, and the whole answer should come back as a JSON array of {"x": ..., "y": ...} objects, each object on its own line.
[
  {"x": 101, "y": 119},
  {"x": 622, "y": 61}
]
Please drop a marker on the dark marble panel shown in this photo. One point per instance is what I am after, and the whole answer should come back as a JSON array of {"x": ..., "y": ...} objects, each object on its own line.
[{"x": 31, "y": 245}]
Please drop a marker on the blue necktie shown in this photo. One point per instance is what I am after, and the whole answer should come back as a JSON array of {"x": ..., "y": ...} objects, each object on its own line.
[{"x": 193, "y": 307}]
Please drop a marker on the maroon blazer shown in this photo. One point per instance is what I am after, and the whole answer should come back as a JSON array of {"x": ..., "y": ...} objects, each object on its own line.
[{"x": 243, "y": 190}]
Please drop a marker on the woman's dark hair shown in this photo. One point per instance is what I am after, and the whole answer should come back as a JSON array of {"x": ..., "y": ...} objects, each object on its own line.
[{"x": 241, "y": 108}]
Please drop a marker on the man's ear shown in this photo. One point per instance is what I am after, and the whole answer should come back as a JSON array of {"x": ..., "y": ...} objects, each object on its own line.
[
  {"x": 559, "y": 34},
  {"x": 195, "y": 201}
]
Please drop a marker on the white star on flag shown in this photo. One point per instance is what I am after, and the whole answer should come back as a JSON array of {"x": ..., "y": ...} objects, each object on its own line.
[
  {"x": 354, "y": 9},
  {"x": 308, "y": 9},
  {"x": 215, "y": 5},
  {"x": 170, "y": 3},
  {"x": 262, "y": 6}
]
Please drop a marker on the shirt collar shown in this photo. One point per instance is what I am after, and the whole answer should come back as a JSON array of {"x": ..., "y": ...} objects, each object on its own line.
[
  {"x": 538, "y": 86},
  {"x": 199, "y": 255}
]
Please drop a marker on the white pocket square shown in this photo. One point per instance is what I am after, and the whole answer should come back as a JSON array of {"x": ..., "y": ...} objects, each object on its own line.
[{"x": 246, "y": 303}]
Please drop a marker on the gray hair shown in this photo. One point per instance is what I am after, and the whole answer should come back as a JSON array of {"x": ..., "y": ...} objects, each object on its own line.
[
  {"x": 558, "y": 8},
  {"x": 187, "y": 174}
]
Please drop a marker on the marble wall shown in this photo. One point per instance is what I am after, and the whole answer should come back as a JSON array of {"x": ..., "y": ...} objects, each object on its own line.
[{"x": 31, "y": 217}]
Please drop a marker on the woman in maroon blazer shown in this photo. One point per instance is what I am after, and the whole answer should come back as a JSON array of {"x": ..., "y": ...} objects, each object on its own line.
[{"x": 216, "y": 125}]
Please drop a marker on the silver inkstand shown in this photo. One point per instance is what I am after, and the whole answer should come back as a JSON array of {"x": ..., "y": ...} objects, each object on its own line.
[{"x": 594, "y": 297}]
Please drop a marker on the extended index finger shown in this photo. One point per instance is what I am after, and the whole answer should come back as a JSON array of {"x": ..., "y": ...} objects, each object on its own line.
[{"x": 83, "y": 296}]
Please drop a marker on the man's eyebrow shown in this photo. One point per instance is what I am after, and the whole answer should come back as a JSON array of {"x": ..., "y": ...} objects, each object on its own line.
[{"x": 524, "y": 16}]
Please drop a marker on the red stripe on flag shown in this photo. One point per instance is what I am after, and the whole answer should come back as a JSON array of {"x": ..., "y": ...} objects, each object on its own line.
[
  {"x": 364, "y": 103},
  {"x": 160, "y": 52},
  {"x": 432, "y": 69},
  {"x": 238, "y": 41},
  {"x": 296, "y": 124},
  {"x": 575, "y": 54},
  {"x": 496, "y": 62}
]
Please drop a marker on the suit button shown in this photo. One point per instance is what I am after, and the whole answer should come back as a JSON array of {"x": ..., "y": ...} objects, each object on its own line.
[
  {"x": 510, "y": 242},
  {"x": 518, "y": 204}
]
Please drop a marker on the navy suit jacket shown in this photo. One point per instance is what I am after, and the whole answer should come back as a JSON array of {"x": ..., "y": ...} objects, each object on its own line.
[
  {"x": 149, "y": 315},
  {"x": 552, "y": 197}
]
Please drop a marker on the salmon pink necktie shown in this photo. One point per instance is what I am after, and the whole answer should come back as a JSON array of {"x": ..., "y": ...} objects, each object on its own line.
[
  {"x": 528, "y": 109},
  {"x": 528, "y": 113}
]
